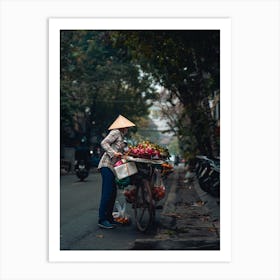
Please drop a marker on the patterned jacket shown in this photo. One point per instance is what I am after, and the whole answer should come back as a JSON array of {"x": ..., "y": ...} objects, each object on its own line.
[{"x": 112, "y": 143}]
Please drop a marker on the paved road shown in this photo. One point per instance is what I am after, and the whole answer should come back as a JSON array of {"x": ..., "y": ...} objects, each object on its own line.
[{"x": 79, "y": 204}]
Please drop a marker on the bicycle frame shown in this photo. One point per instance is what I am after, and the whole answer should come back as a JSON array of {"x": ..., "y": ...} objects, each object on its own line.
[{"x": 144, "y": 205}]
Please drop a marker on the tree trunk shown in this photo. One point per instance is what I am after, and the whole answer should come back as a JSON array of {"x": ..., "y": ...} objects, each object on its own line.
[{"x": 212, "y": 135}]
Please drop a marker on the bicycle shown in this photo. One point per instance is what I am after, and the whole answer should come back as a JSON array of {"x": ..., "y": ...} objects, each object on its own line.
[{"x": 144, "y": 181}]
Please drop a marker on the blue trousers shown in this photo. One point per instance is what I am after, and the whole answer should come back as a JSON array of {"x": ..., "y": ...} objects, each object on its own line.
[{"x": 108, "y": 194}]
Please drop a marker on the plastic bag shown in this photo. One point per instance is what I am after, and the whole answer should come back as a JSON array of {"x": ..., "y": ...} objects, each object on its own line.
[
  {"x": 158, "y": 190},
  {"x": 130, "y": 194},
  {"x": 122, "y": 183},
  {"x": 120, "y": 216}
]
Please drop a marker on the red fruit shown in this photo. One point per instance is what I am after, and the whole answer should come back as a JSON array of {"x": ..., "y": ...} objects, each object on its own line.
[
  {"x": 136, "y": 151},
  {"x": 149, "y": 151}
]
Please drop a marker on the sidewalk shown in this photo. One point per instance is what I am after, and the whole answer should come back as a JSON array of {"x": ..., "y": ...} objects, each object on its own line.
[{"x": 190, "y": 219}]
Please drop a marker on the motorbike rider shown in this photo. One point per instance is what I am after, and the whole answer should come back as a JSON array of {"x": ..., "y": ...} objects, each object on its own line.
[{"x": 82, "y": 153}]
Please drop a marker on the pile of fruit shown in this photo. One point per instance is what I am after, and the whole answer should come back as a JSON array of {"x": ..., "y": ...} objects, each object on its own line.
[
  {"x": 148, "y": 150},
  {"x": 166, "y": 169},
  {"x": 167, "y": 165},
  {"x": 122, "y": 220},
  {"x": 158, "y": 193}
]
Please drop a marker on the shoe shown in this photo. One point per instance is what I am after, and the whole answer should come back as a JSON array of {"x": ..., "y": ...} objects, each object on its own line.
[
  {"x": 105, "y": 224},
  {"x": 115, "y": 223},
  {"x": 112, "y": 221}
]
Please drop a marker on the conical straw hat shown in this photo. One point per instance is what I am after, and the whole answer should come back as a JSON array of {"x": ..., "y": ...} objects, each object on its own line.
[{"x": 121, "y": 122}]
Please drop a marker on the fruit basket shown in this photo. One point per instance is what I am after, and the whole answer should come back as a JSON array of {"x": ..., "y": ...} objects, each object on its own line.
[{"x": 148, "y": 150}]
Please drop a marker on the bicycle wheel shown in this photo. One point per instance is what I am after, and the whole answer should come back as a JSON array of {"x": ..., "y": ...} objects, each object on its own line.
[{"x": 144, "y": 206}]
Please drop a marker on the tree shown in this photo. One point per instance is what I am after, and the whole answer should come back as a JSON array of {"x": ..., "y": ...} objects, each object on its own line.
[
  {"x": 97, "y": 76},
  {"x": 187, "y": 63}
]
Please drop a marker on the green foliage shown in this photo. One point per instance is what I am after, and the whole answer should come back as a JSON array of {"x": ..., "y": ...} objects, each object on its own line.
[
  {"x": 94, "y": 74},
  {"x": 187, "y": 63}
]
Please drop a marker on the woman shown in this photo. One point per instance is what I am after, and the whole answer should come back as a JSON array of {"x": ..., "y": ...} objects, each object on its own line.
[{"x": 113, "y": 145}]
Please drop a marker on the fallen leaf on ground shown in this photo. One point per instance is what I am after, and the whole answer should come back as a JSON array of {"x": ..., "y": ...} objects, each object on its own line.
[
  {"x": 204, "y": 219},
  {"x": 100, "y": 236},
  {"x": 198, "y": 203},
  {"x": 173, "y": 215}
]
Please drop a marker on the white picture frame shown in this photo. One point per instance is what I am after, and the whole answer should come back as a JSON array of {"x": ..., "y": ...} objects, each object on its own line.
[{"x": 55, "y": 26}]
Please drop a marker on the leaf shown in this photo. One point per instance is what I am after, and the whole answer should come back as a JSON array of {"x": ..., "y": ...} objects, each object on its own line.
[
  {"x": 198, "y": 203},
  {"x": 173, "y": 215}
]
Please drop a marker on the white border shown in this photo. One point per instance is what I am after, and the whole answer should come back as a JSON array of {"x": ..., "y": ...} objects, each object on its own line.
[
  {"x": 55, "y": 25},
  {"x": 255, "y": 101}
]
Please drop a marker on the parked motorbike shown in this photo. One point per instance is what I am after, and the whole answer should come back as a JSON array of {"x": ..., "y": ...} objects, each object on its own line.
[
  {"x": 208, "y": 174},
  {"x": 81, "y": 169}
]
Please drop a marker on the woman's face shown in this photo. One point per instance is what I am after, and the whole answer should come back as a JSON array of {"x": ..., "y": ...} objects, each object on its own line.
[{"x": 124, "y": 130}]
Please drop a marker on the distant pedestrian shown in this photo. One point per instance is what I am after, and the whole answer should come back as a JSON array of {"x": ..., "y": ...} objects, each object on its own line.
[{"x": 113, "y": 145}]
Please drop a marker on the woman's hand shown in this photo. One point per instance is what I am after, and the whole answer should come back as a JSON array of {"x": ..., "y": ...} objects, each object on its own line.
[{"x": 117, "y": 154}]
